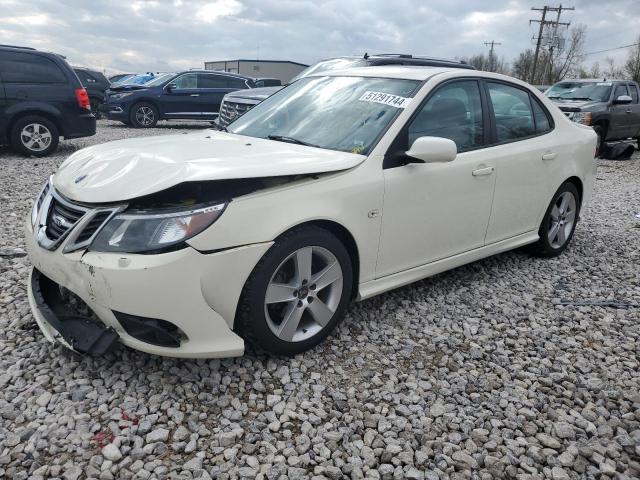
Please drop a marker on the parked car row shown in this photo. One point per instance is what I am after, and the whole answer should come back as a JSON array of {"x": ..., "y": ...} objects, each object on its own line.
[{"x": 30, "y": 82}]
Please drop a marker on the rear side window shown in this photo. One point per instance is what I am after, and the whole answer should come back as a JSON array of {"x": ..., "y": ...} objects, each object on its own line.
[
  {"x": 540, "y": 116},
  {"x": 236, "y": 83},
  {"x": 512, "y": 111},
  {"x": 17, "y": 67},
  {"x": 633, "y": 91},
  {"x": 212, "y": 81}
]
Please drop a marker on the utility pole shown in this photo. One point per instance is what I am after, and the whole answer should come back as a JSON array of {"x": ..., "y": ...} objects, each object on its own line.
[
  {"x": 492, "y": 62},
  {"x": 554, "y": 38},
  {"x": 543, "y": 23}
]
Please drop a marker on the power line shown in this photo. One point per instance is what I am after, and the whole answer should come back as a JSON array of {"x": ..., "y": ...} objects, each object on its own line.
[{"x": 611, "y": 49}]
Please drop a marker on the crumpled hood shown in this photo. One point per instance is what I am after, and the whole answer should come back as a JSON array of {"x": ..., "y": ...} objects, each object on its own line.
[{"x": 131, "y": 168}]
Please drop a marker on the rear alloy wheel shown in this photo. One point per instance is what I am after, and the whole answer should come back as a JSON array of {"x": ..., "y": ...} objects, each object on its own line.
[
  {"x": 35, "y": 136},
  {"x": 559, "y": 222},
  {"x": 297, "y": 293},
  {"x": 144, "y": 115}
]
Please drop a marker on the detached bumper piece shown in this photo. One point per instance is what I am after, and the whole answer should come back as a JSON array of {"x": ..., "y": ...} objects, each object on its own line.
[{"x": 75, "y": 323}]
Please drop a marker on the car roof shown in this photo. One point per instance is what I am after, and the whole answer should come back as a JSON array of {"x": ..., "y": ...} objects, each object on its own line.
[
  {"x": 407, "y": 72},
  {"x": 589, "y": 80},
  {"x": 411, "y": 72},
  {"x": 218, "y": 72}
]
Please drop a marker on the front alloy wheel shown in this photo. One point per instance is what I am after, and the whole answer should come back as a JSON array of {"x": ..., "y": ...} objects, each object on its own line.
[
  {"x": 144, "y": 115},
  {"x": 297, "y": 292},
  {"x": 303, "y": 294}
]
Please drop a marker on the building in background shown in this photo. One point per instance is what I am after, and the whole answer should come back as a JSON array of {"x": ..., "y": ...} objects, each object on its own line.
[{"x": 283, "y": 70}]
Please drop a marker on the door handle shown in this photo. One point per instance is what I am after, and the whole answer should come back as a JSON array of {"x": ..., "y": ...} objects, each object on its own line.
[
  {"x": 194, "y": 95},
  {"x": 483, "y": 171},
  {"x": 627, "y": 111},
  {"x": 549, "y": 156}
]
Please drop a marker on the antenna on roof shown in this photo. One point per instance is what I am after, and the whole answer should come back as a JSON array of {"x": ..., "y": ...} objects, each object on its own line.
[{"x": 366, "y": 55}]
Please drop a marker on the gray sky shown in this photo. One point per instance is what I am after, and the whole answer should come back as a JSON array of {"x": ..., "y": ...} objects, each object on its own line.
[{"x": 141, "y": 35}]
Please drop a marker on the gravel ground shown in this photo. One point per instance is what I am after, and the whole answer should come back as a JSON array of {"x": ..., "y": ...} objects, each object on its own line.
[{"x": 487, "y": 371}]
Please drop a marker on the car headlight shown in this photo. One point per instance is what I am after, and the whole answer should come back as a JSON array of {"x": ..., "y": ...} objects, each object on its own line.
[
  {"x": 582, "y": 117},
  {"x": 120, "y": 96},
  {"x": 145, "y": 231}
]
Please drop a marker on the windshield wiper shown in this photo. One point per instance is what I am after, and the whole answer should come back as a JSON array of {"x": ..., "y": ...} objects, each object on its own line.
[
  {"x": 283, "y": 138},
  {"x": 578, "y": 98}
]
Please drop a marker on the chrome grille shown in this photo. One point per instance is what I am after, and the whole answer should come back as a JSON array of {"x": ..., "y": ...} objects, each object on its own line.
[
  {"x": 61, "y": 219},
  {"x": 92, "y": 226},
  {"x": 56, "y": 219},
  {"x": 229, "y": 111}
]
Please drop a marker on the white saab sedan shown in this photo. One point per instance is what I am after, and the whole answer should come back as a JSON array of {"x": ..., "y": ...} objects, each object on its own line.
[{"x": 336, "y": 188}]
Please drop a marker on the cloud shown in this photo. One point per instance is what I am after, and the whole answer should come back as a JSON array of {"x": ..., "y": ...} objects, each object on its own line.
[{"x": 161, "y": 35}]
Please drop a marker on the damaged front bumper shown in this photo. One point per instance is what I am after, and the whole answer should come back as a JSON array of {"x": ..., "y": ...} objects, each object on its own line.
[{"x": 178, "y": 304}]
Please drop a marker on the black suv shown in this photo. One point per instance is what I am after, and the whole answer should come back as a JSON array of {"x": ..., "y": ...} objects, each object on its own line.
[
  {"x": 192, "y": 94},
  {"x": 96, "y": 85},
  {"x": 237, "y": 103},
  {"x": 41, "y": 99}
]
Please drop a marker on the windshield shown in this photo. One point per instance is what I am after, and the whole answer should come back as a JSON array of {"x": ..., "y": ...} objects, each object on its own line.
[
  {"x": 596, "y": 91},
  {"x": 327, "y": 65},
  {"x": 157, "y": 80},
  {"x": 337, "y": 113}
]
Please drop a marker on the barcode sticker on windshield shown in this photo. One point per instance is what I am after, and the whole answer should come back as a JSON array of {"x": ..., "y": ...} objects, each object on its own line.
[
  {"x": 385, "y": 99},
  {"x": 604, "y": 84}
]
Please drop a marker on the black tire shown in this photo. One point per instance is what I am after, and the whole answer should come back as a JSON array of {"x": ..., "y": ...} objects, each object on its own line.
[
  {"x": 143, "y": 115},
  {"x": 602, "y": 133},
  {"x": 544, "y": 247},
  {"x": 251, "y": 321},
  {"x": 95, "y": 108},
  {"x": 33, "y": 124}
]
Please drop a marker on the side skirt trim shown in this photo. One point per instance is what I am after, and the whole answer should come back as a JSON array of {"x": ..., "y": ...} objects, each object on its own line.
[{"x": 400, "y": 279}]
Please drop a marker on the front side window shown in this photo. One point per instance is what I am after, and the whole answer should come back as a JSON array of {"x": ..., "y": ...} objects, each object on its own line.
[
  {"x": 337, "y": 113},
  {"x": 453, "y": 112},
  {"x": 18, "y": 67},
  {"x": 512, "y": 111},
  {"x": 190, "y": 80},
  {"x": 619, "y": 91}
]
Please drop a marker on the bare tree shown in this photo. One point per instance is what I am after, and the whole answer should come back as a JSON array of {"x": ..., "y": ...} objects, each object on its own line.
[
  {"x": 612, "y": 69},
  {"x": 488, "y": 63},
  {"x": 570, "y": 61},
  {"x": 632, "y": 65}
]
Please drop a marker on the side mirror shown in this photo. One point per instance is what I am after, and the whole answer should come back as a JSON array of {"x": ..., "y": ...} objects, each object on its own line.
[
  {"x": 171, "y": 86},
  {"x": 432, "y": 150},
  {"x": 623, "y": 100}
]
